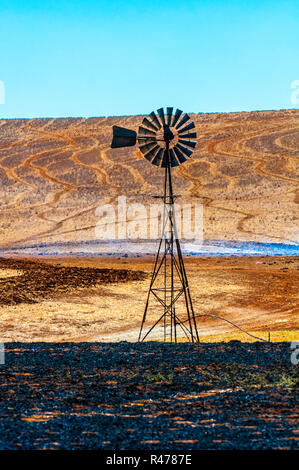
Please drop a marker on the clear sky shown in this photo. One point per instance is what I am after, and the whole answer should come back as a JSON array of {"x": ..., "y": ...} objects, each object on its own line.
[{"x": 122, "y": 57}]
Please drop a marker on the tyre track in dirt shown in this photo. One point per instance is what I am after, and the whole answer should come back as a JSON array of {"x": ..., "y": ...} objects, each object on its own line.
[
  {"x": 138, "y": 178},
  {"x": 116, "y": 189},
  {"x": 258, "y": 167},
  {"x": 195, "y": 184},
  {"x": 214, "y": 142},
  {"x": 105, "y": 177},
  {"x": 44, "y": 174},
  {"x": 10, "y": 172},
  {"x": 284, "y": 146},
  {"x": 13, "y": 145},
  {"x": 102, "y": 176},
  {"x": 240, "y": 146},
  {"x": 42, "y": 171},
  {"x": 57, "y": 226},
  {"x": 67, "y": 187}
]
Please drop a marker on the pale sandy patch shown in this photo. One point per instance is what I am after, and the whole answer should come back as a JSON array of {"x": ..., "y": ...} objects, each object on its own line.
[{"x": 5, "y": 273}]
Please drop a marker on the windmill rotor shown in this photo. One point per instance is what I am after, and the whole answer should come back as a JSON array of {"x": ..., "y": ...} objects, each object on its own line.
[
  {"x": 167, "y": 130},
  {"x": 159, "y": 135}
]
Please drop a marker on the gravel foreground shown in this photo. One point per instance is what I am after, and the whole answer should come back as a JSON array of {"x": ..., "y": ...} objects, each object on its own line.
[{"x": 155, "y": 396}]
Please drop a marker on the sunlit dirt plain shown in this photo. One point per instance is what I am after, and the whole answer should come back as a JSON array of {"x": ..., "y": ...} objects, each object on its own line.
[
  {"x": 69, "y": 380},
  {"x": 102, "y": 299}
]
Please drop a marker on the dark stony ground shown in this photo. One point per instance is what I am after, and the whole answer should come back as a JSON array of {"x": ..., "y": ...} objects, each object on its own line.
[
  {"x": 148, "y": 396},
  {"x": 40, "y": 280}
]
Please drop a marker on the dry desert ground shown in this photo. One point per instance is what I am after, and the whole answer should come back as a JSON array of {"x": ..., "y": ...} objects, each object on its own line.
[
  {"x": 54, "y": 173},
  {"x": 102, "y": 299}
]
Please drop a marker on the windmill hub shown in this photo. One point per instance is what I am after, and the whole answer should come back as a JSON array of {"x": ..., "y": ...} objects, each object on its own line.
[{"x": 168, "y": 134}]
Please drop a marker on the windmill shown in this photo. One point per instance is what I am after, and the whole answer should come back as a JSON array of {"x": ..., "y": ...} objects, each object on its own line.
[{"x": 166, "y": 140}]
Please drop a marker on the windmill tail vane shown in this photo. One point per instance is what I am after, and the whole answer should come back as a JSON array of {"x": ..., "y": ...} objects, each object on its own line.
[{"x": 166, "y": 140}]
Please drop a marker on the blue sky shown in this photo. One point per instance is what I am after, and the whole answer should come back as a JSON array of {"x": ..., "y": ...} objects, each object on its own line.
[{"x": 112, "y": 57}]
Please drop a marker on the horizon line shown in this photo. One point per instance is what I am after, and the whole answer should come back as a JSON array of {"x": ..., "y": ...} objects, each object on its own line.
[{"x": 136, "y": 115}]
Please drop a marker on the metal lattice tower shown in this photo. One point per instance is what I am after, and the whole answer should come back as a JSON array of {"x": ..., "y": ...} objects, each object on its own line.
[{"x": 166, "y": 142}]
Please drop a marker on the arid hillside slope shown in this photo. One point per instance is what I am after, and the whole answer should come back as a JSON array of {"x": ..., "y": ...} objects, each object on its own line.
[{"x": 55, "y": 172}]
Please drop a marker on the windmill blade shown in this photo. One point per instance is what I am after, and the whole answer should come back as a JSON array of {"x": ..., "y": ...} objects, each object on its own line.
[
  {"x": 160, "y": 111},
  {"x": 150, "y": 155},
  {"x": 182, "y": 121},
  {"x": 149, "y": 124},
  {"x": 191, "y": 125},
  {"x": 158, "y": 157},
  {"x": 144, "y": 140},
  {"x": 173, "y": 160},
  {"x": 123, "y": 137},
  {"x": 169, "y": 115},
  {"x": 184, "y": 150},
  {"x": 176, "y": 117},
  {"x": 147, "y": 147},
  {"x": 179, "y": 155},
  {"x": 189, "y": 143},
  {"x": 190, "y": 135},
  {"x": 155, "y": 119},
  {"x": 144, "y": 131}
]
